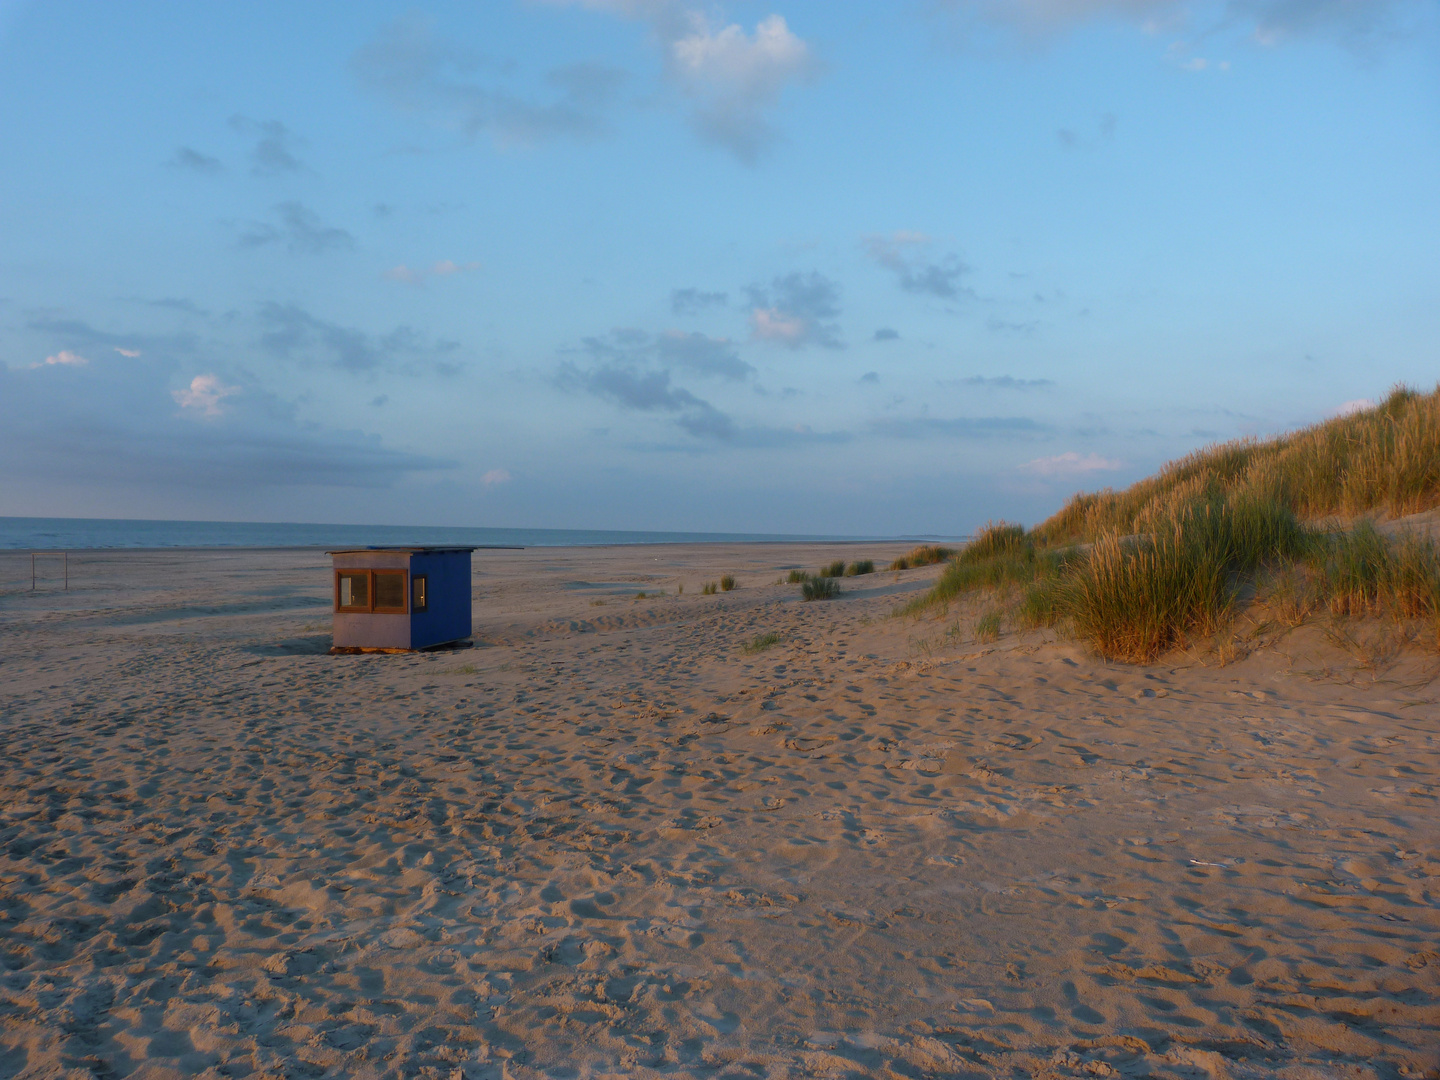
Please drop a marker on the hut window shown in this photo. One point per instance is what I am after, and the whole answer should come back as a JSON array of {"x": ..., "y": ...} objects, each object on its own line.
[
  {"x": 352, "y": 590},
  {"x": 389, "y": 590},
  {"x": 417, "y": 593}
]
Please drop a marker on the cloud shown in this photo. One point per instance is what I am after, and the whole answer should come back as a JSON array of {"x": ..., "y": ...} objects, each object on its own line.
[
  {"x": 416, "y": 72},
  {"x": 443, "y": 268},
  {"x": 78, "y": 334},
  {"x": 694, "y": 301},
  {"x": 1360, "y": 25},
  {"x": 204, "y": 395},
  {"x": 186, "y": 158},
  {"x": 119, "y": 428},
  {"x": 130, "y": 353},
  {"x": 901, "y": 252},
  {"x": 494, "y": 477},
  {"x": 960, "y": 427},
  {"x": 64, "y": 358},
  {"x": 648, "y": 391},
  {"x": 300, "y": 230},
  {"x": 288, "y": 331},
  {"x": 870, "y": 377},
  {"x": 1105, "y": 129},
  {"x": 704, "y": 355},
  {"x": 731, "y": 77},
  {"x": 1349, "y": 408},
  {"x": 1044, "y": 18},
  {"x": 274, "y": 149},
  {"x": 1002, "y": 382},
  {"x": 1071, "y": 464},
  {"x": 796, "y": 310},
  {"x": 886, "y": 333}
]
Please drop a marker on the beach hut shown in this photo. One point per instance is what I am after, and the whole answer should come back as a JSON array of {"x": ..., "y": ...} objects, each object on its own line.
[{"x": 399, "y": 599}]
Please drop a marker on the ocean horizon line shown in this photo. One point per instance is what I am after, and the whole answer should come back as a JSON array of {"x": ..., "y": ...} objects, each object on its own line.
[{"x": 24, "y": 534}]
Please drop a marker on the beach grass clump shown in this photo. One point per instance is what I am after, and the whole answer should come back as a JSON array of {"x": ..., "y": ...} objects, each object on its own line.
[
  {"x": 859, "y": 567},
  {"x": 834, "y": 569},
  {"x": 708, "y": 589},
  {"x": 987, "y": 627},
  {"x": 820, "y": 588},
  {"x": 924, "y": 555},
  {"x": 1363, "y": 573},
  {"x": 760, "y": 642},
  {"x": 797, "y": 577},
  {"x": 727, "y": 583}
]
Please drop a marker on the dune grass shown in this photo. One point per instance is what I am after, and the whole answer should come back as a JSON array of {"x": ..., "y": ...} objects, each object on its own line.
[
  {"x": 708, "y": 589},
  {"x": 797, "y": 577},
  {"x": 760, "y": 642},
  {"x": 860, "y": 567},
  {"x": 1139, "y": 571},
  {"x": 820, "y": 588},
  {"x": 925, "y": 555},
  {"x": 727, "y": 582},
  {"x": 834, "y": 569}
]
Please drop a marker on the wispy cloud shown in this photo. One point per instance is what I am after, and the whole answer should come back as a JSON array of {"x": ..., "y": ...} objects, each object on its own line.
[
  {"x": 693, "y": 301},
  {"x": 1071, "y": 463},
  {"x": 275, "y": 145},
  {"x": 904, "y": 253},
  {"x": 288, "y": 331},
  {"x": 415, "y": 71},
  {"x": 960, "y": 427},
  {"x": 713, "y": 357},
  {"x": 443, "y": 268},
  {"x": 131, "y": 354},
  {"x": 63, "y": 358},
  {"x": 796, "y": 310},
  {"x": 1348, "y": 408},
  {"x": 77, "y": 334},
  {"x": 120, "y": 428},
  {"x": 187, "y": 158},
  {"x": 1360, "y": 25},
  {"x": 300, "y": 230},
  {"x": 1000, "y": 382},
  {"x": 648, "y": 391},
  {"x": 495, "y": 477}
]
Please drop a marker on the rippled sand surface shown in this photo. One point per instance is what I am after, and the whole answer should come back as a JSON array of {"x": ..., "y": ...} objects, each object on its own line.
[{"x": 608, "y": 841}]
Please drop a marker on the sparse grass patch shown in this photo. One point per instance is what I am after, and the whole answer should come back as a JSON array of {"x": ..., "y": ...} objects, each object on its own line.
[
  {"x": 797, "y": 576},
  {"x": 859, "y": 567},
  {"x": 834, "y": 569},
  {"x": 727, "y": 583},
  {"x": 820, "y": 588},
  {"x": 597, "y": 603},
  {"x": 987, "y": 627},
  {"x": 708, "y": 589},
  {"x": 761, "y": 642}
]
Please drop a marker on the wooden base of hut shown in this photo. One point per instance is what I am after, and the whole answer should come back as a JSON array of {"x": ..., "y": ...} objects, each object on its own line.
[{"x": 355, "y": 650}]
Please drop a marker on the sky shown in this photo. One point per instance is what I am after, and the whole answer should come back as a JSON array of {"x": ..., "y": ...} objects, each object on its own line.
[{"x": 801, "y": 266}]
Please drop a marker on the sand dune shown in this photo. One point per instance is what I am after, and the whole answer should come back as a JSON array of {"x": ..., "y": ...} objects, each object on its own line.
[{"x": 608, "y": 841}]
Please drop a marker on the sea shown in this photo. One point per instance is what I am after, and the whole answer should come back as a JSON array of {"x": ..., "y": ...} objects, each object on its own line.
[{"x": 78, "y": 534}]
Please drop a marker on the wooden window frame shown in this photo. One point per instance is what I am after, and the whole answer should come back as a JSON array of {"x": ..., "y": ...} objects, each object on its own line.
[{"x": 369, "y": 608}]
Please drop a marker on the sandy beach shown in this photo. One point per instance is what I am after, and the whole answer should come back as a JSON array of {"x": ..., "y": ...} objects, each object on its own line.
[{"x": 609, "y": 841}]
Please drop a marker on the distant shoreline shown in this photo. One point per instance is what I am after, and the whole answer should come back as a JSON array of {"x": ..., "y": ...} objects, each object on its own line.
[{"x": 22, "y": 534}]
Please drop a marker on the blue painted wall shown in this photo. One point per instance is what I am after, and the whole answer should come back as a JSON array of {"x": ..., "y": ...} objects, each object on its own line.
[{"x": 447, "y": 617}]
